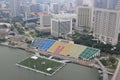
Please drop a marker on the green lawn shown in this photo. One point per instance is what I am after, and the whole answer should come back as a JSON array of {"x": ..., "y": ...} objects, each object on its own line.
[
  {"x": 110, "y": 62},
  {"x": 41, "y": 64}
]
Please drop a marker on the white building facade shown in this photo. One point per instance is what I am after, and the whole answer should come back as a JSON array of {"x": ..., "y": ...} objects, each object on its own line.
[
  {"x": 106, "y": 25},
  {"x": 85, "y": 17},
  {"x": 45, "y": 20},
  {"x": 61, "y": 27}
]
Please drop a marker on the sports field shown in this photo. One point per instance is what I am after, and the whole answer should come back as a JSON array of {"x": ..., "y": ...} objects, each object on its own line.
[{"x": 42, "y": 65}]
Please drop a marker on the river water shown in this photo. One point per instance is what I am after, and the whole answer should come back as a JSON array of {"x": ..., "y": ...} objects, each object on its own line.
[{"x": 9, "y": 71}]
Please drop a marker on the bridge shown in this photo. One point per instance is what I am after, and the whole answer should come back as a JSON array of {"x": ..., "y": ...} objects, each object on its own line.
[
  {"x": 31, "y": 20},
  {"x": 105, "y": 72}
]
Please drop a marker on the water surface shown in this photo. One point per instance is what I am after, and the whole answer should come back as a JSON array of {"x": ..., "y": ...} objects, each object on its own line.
[{"x": 9, "y": 71}]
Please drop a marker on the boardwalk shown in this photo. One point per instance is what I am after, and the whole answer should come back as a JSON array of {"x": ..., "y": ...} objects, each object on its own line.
[
  {"x": 69, "y": 59},
  {"x": 117, "y": 72},
  {"x": 105, "y": 73}
]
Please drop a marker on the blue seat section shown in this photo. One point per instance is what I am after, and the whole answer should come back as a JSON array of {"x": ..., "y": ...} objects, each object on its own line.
[
  {"x": 37, "y": 42},
  {"x": 46, "y": 44}
]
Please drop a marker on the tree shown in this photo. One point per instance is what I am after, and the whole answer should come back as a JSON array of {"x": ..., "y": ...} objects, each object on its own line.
[{"x": 2, "y": 40}]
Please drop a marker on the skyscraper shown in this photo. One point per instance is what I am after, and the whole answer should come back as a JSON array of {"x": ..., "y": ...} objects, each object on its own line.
[
  {"x": 33, "y": 1},
  {"x": 78, "y": 2},
  {"x": 118, "y": 5},
  {"x": 85, "y": 17},
  {"x": 14, "y": 7},
  {"x": 45, "y": 20},
  {"x": 55, "y": 8},
  {"x": 60, "y": 27},
  {"x": 105, "y": 4},
  {"x": 106, "y": 25}
]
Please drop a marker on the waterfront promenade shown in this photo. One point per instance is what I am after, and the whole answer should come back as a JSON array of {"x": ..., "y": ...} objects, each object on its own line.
[
  {"x": 71, "y": 59},
  {"x": 116, "y": 75},
  {"x": 105, "y": 73}
]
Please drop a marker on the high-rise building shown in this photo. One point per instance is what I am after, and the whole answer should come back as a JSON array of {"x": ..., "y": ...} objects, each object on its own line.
[
  {"x": 106, "y": 25},
  {"x": 56, "y": 8},
  {"x": 45, "y": 20},
  {"x": 43, "y": 1},
  {"x": 118, "y": 8},
  {"x": 118, "y": 5},
  {"x": 61, "y": 27},
  {"x": 40, "y": 7},
  {"x": 33, "y": 1},
  {"x": 100, "y": 3},
  {"x": 35, "y": 8},
  {"x": 78, "y": 2},
  {"x": 112, "y": 4},
  {"x": 44, "y": 7},
  {"x": 14, "y": 8},
  {"x": 26, "y": 11},
  {"x": 85, "y": 17},
  {"x": 106, "y": 4}
]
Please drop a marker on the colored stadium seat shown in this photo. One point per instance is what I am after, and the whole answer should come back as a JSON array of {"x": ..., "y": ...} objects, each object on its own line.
[
  {"x": 88, "y": 53},
  {"x": 46, "y": 44},
  {"x": 37, "y": 42},
  {"x": 76, "y": 50},
  {"x": 67, "y": 49},
  {"x": 57, "y": 47},
  {"x": 54, "y": 47}
]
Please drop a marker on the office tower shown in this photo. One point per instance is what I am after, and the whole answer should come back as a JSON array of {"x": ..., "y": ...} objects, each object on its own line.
[
  {"x": 40, "y": 7},
  {"x": 100, "y": 3},
  {"x": 61, "y": 27},
  {"x": 43, "y": 1},
  {"x": 26, "y": 11},
  {"x": 14, "y": 8},
  {"x": 118, "y": 5},
  {"x": 112, "y": 4},
  {"x": 44, "y": 7},
  {"x": 33, "y": 1},
  {"x": 55, "y": 8},
  {"x": 78, "y": 2},
  {"x": 118, "y": 8},
  {"x": 45, "y": 20},
  {"x": 84, "y": 17},
  {"x": 106, "y": 4},
  {"x": 106, "y": 25},
  {"x": 88, "y": 2},
  {"x": 35, "y": 8}
]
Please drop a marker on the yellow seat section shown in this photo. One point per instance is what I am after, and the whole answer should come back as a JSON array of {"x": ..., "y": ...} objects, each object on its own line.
[
  {"x": 77, "y": 50},
  {"x": 55, "y": 46},
  {"x": 67, "y": 49}
]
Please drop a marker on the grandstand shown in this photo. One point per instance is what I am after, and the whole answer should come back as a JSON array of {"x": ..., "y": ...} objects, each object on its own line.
[
  {"x": 46, "y": 44},
  {"x": 76, "y": 50},
  {"x": 61, "y": 48},
  {"x": 89, "y": 53},
  {"x": 65, "y": 49},
  {"x": 37, "y": 42},
  {"x": 57, "y": 47}
]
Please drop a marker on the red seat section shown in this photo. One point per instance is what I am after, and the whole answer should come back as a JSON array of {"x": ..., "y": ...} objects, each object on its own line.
[{"x": 59, "y": 49}]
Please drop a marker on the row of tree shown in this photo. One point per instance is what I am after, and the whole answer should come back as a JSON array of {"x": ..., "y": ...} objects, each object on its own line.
[{"x": 106, "y": 48}]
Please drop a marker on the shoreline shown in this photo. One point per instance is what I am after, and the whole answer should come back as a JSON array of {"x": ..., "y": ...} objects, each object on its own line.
[
  {"x": 28, "y": 50},
  {"x": 45, "y": 53},
  {"x": 57, "y": 57}
]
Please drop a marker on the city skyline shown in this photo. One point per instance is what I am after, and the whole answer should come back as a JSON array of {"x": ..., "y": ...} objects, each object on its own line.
[{"x": 60, "y": 39}]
